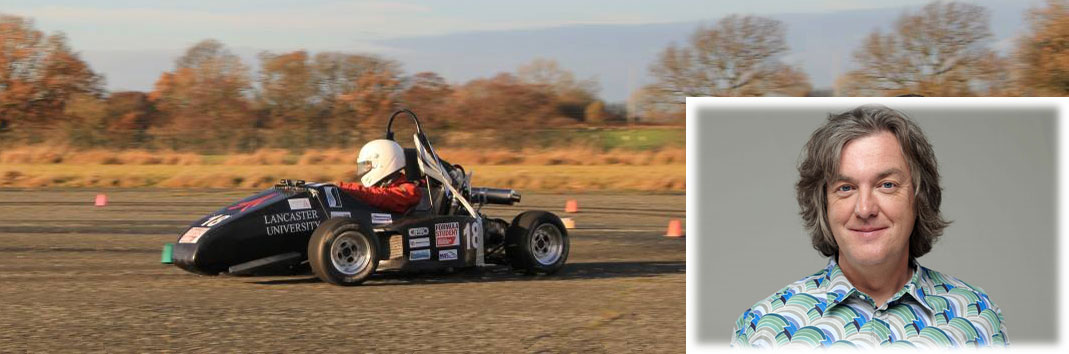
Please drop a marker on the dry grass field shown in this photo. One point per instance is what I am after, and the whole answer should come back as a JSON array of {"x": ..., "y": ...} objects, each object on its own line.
[{"x": 575, "y": 169}]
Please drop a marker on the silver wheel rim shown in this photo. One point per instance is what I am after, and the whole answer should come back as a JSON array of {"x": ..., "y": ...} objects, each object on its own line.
[
  {"x": 547, "y": 244},
  {"x": 350, "y": 254}
]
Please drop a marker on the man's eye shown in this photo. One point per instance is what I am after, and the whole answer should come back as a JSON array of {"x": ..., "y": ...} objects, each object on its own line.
[
  {"x": 888, "y": 185},
  {"x": 845, "y": 188}
]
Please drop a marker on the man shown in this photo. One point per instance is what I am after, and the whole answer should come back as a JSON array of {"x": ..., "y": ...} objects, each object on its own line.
[
  {"x": 869, "y": 193},
  {"x": 380, "y": 168}
]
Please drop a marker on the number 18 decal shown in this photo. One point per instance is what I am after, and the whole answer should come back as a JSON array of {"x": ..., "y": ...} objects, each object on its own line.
[{"x": 473, "y": 232}]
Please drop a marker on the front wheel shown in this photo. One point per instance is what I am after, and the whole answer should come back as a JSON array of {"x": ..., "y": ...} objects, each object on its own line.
[
  {"x": 536, "y": 242},
  {"x": 340, "y": 253}
]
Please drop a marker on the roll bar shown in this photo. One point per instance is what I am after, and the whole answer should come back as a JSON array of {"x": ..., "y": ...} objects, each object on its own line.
[
  {"x": 389, "y": 125},
  {"x": 420, "y": 137}
]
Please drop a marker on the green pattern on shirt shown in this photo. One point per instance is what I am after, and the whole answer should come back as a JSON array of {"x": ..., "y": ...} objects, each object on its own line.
[{"x": 825, "y": 310}]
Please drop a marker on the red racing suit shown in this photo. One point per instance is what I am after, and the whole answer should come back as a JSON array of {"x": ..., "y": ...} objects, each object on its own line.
[{"x": 397, "y": 197}]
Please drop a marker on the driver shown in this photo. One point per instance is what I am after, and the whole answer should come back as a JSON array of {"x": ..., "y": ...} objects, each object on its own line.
[{"x": 383, "y": 184}]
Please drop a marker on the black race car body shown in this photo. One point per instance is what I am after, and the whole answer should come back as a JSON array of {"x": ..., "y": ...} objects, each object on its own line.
[
  {"x": 344, "y": 240},
  {"x": 281, "y": 221}
]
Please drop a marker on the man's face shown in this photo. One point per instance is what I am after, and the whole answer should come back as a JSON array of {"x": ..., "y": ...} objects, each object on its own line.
[{"x": 870, "y": 202}]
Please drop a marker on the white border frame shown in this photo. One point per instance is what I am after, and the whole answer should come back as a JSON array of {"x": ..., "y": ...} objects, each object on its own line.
[{"x": 1061, "y": 124}]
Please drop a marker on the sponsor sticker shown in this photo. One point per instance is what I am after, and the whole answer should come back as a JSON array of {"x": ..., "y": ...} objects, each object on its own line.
[
  {"x": 419, "y": 255},
  {"x": 447, "y": 255},
  {"x": 193, "y": 235},
  {"x": 419, "y": 242},
  {"x": 340, "y": 214},
  {"x": 377, "y": 218},
  {"x": 300, "y": 204},
  {"x": 447, "y": 234},
  {"x": 333, "y": 197},
  {"x": 418, "y": 231}
]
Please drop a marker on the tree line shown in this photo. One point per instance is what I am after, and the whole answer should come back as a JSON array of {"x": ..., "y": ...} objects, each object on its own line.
[
  {"x": 941, "y": 50},
  {"x": 211, "y": 100}
]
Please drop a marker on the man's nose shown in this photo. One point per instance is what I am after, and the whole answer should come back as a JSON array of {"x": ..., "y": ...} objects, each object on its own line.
[{"x": 866, "y": 205}]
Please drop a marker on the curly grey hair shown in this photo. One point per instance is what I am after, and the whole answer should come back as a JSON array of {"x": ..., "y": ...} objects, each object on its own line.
[{"x": 821, "y": 163}]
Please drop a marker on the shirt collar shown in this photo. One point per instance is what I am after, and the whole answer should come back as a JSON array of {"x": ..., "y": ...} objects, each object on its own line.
[{"x": 837, "y": 288}]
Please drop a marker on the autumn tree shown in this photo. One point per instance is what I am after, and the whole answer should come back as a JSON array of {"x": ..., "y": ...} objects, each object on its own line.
[
  {"x": 39, "y": 76},
  {"x": 595, "y": 112},
  {"x": 428, "y": 95},
  {"x": 286, "y": 86},
  {"x": 130, "y": 115},
  {"x": 286, "y": 98},
  {"x": 738, "y": 56},
  {"x": 86, "y": 122},
  {"x": 337, "y": 73},
  {"x": 373, "y": 97},
  {"x": 940, "y": 50},
  {"x": 647, "y": 104},
  {"x": 205, "y": 99},
  {"x": 571, "y": 96},
  {"x": 121, "y": 120},
  {"x": 502, "y": 101},
  {"x": 1043, "y": 53},
  {"x": 353, "y": 91}
]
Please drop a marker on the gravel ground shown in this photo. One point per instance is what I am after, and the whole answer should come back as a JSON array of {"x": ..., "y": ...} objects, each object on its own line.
[{"x": 74, "y": 277}]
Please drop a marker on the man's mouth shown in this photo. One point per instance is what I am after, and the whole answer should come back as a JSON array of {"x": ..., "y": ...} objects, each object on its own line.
[{"x": 869, "y": 231}]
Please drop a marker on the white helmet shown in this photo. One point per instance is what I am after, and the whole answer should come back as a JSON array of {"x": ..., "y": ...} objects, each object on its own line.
[{"x": 378, "y": 159}]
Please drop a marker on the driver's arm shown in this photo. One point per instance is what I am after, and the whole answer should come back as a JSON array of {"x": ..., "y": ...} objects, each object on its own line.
[{"x": 396, "y": 198}]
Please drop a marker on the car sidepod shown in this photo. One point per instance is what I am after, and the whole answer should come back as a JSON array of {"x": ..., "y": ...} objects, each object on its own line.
[{"x": 432, "y": 243}]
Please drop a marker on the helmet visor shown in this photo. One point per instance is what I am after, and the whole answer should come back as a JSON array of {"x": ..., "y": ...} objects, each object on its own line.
[{"x": 362, "y": 168}]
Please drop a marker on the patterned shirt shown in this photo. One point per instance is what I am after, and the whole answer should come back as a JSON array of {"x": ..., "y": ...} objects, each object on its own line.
[{"x": 825, "y": 310}]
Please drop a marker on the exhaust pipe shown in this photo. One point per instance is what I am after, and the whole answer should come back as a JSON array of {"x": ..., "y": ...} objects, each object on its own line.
[{"x": 495, "y": 196}]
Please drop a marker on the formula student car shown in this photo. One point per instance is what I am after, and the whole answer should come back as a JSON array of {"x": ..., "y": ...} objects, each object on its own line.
[{"x": 344, "y": 241}]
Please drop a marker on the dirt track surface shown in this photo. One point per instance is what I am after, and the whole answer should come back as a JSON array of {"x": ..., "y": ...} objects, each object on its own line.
[{"x": 74, "y": 277}]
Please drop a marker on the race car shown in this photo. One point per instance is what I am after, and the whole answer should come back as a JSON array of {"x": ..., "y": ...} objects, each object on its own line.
[{"x": 344, "y": 240}]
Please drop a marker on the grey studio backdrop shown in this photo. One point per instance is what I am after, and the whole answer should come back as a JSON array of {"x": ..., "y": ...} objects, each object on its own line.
[{"x": 998, "y": 170}]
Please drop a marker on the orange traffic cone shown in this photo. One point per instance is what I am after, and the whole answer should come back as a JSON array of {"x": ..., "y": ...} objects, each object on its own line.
[
  {"x": 572, "y": 206},
  {"x": 102, "y": 200},
  {"x": 568, "y": 223},
  {"x": 675, "y": 228}
]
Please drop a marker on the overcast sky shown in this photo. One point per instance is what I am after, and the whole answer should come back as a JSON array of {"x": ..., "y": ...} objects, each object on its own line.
[
  {"x": 132, "y": 42},
  {"x": 353, "y": 25}
]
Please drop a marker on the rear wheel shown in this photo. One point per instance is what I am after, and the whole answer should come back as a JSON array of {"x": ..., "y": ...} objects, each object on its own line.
[
  {"x": 537, "y": 242},
  {"x": 340, "y": 253}
]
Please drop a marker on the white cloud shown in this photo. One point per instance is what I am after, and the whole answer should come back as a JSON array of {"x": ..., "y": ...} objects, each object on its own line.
[
  {"x": 367, "y": 20},
  {"x": 330, "y": 24},
  {"x": 356, "y": 25},
  {"x": 322, "y": 17}
]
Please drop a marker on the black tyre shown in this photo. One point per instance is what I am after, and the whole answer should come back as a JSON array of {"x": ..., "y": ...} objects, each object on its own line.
[
  {"x": 537, "y": 243},
  {"x": 341, "y": 253}
]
